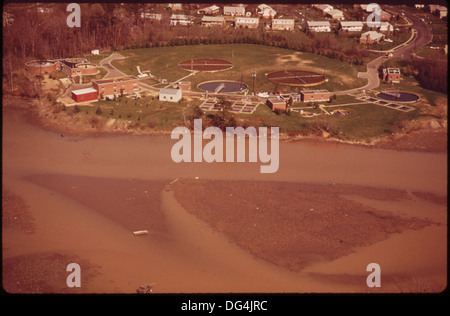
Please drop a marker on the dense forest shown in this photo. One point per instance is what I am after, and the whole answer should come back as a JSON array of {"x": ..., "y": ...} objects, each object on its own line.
[{"x": 36, "y": 33}]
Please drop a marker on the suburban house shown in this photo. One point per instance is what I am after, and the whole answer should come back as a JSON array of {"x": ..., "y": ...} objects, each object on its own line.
[
  {"x": 175, "y": 6},
  {"x": 266, "y": 11},
  {"x": 324, "y": 8},
  {"x": 116, "y": 86},
  {"x": 283, "y": 24},
  {"x": 276, "y": 103},
  {"x": 335, "y": 14},
  {"x": 315, "y": 95},
  {"x": 85, "y": 95},
  {"x": 213, "y": 20},
  {"x": 391, "y": 75},
  {"x": 319, "y": 26},
  {"x": 245, "y": 22},
  {"x": 351, "y": 26},
  {"x": 234, "y": 10},
  {"x": 170, "y": 94},
  {"x": 181, "y": 19},
  {"x": 209, "y": 10},
  {"x": 371, "y": 37}
]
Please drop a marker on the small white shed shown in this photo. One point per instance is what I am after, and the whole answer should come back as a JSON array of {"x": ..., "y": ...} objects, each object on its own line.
[{"x": 170, "y": 94}]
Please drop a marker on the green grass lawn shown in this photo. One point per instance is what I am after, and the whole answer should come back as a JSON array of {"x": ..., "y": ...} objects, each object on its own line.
[
  {"x": 147, "y": 112},
  {"x": 162, "y": 62}
]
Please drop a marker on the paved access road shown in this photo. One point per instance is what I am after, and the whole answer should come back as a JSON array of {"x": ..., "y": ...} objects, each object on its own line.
[{"x": 422, "y": 38}]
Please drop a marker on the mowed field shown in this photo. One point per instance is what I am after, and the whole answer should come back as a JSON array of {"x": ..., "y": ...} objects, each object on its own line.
[{"x": 163, "y": 62}]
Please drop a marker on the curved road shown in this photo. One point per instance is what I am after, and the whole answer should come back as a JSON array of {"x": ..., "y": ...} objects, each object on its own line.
[{"x": 423, "y": 37}]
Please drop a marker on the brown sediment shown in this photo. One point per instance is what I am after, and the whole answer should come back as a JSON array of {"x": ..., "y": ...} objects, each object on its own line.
[
  {"x": 15, "y": 213},
  {"x": 132, "y": 203},
  {"x": 43, "y": 273},
  {"x": 293, "y": 224},
  {"x": 434, "y": 198}
]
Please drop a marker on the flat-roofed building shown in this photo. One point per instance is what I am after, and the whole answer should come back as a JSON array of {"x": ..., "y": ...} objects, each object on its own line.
[
  {"x": 276, "y": 103},
  {"x": 283, "y": 24},
  {"x": 213, "y": 21},
  {"x": 170, "y": 94},
  {"x": 243, "y": 22},
  {"x": 319, "y": 26},
  {"x": 351, "y": 26},
  {"x": 116, "y": 86},
  {"x": 84, "y": 95},
  {"x": 315, "y": 95}
]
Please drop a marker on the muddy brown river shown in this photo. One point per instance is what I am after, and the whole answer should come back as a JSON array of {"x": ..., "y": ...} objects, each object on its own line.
[{"x": 187, "y": 255}]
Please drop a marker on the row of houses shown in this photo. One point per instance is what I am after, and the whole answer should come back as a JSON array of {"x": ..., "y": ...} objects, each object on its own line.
[
  {"x": 239, "y": 22},
  {"x": 262, "y": 10},
  {"x": 350, "y": 26},
  {"x": 329, "y": 11}
]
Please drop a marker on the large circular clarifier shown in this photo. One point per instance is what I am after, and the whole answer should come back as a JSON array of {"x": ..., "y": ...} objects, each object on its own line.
[
  {"x": 222, "y": 86},
  {"x": 398, "y": 96}
]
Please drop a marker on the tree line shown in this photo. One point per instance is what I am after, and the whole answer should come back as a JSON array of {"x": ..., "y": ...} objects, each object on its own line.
[{"x": 112, "y": 26}]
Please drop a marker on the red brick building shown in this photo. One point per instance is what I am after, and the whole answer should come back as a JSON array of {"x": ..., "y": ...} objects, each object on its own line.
[
  {"x": 184, "y": 85},
  {"x": 276, "y": 103},
  {"x": 315, "y": 95},
  {"x": 84, "y": 95},
  {"x": 116, "y": 86}
]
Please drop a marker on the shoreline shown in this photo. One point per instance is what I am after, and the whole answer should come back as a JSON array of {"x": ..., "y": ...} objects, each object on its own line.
[{"x": 418, "y": 140}]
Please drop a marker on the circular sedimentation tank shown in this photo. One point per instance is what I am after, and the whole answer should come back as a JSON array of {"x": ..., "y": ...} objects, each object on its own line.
[
  {"x": 296, "y": 78},
  {"x": 87, "y": 68},
  {"x": 221, "y": 86},
  {"x": 398, "y": 96},
  {"x": 39, "y": 66},
  {"x": 205, "y": 64}
]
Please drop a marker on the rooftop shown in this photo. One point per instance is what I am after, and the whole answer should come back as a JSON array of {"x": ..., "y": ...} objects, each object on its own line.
[
  {"x": 351, "y": 23},
  {"x": 83, "y": 91},
  {"x": 318, "y": 23},
  {"x": 213, "y": 18},
  {"x": 392, "y": 70},
  {"x": 169, "y": 91},
  {"x": 118, "y": 79},
  {"x": 315, "y": 91}
]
